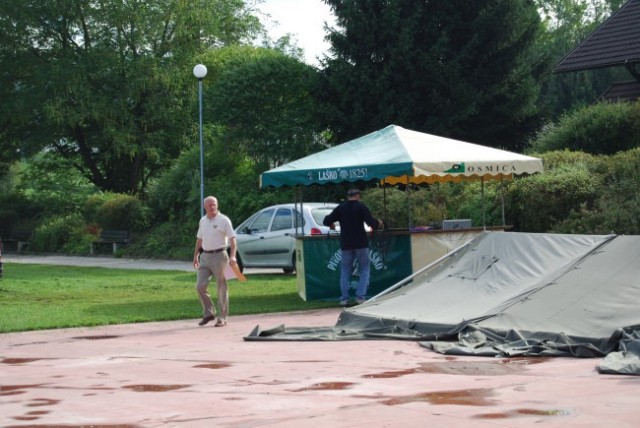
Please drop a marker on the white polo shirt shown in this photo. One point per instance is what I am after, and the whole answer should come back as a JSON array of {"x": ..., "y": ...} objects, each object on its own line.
[{"x": 215, "y": 232}]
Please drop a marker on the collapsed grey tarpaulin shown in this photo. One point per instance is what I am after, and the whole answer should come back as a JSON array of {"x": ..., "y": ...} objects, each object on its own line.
[
  {"x": 513, "y": 343},
  {"x": 583, "y": 312},
  {"x": 508, "y": 294},
  {"x": 627, "y": 359}
]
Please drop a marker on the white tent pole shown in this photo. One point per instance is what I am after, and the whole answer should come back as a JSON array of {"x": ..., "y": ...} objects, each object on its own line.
[
  {"x": 504, "y": 223},
  {"x": 384, "y": 199},
  {"x": 419, "y": 272},
  {"x": 407, "y": 190},
  {"x": 484, "y": 224},
  {"x": 297, "y": 198}
]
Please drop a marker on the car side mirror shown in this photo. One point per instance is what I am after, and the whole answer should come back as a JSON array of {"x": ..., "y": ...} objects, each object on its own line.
[{"x": 246, "y": 230}]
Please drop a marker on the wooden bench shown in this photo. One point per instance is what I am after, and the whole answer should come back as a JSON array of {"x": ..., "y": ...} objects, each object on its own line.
[
  {"x": 19, "y": 238},
  {"x": 113, "y": 237}
]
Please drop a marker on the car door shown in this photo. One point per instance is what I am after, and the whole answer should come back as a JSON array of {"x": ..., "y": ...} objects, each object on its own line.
[
  {"x": 279, "y": 242},
  {"x": 251, "y": 239}
]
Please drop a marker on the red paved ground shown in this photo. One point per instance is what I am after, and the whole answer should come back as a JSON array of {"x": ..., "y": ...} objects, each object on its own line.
[{"x": 176, "y": 374}]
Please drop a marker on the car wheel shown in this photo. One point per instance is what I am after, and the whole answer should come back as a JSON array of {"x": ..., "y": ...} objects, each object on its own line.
[{"x": 293, "y": 263}]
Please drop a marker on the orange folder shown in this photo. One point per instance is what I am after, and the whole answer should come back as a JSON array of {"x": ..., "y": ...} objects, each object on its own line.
[{"x": 233, "y": 272}]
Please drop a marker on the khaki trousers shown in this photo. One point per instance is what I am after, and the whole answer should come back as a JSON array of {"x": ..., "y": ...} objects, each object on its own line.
[{"x": 213, "y": 265}]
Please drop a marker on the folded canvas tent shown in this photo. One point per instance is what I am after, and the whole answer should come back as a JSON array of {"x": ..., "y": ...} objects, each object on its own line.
[{"x": 510, "y": 294}]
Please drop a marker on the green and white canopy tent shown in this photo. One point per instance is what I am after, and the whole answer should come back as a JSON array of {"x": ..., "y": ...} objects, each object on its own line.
[
  {"x": 398, "y": 156},
  {"x": 395, "y": 155}
]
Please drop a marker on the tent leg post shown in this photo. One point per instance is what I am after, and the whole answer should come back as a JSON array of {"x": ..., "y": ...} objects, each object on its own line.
[
  {"x": 504, "y": 223},
  {"x": 384, "y": 200},
  {"x": 484, "y": 224},
  {"x": 297, "y": 204},
  {"x": 410, "y": 218}
]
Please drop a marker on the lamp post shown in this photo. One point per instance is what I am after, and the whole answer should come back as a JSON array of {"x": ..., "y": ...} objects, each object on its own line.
[{"x": 200, "y": 71}]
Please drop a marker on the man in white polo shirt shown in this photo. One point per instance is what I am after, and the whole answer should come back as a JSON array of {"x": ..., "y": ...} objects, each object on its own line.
[{"x": 210, "y": 258}]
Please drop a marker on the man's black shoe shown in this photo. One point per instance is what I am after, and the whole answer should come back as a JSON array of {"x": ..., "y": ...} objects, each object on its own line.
[{"x": 205, "y": 320}]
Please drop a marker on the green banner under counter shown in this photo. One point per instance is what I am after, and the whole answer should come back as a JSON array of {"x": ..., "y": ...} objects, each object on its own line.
[{"x": 318, "y": 265}]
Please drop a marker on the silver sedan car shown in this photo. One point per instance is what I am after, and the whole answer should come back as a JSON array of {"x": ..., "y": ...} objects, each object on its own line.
[{"x": 267, "y": 238}]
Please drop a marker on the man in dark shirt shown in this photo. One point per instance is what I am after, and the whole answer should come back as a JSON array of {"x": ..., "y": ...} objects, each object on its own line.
[{"x": 352, "y": 215}]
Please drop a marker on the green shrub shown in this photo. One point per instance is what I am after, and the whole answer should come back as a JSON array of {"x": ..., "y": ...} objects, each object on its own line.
[
  {"x": 62, "y": 234},
  {"x": 536, "y": 203},
  {"x": 559, "y": 158},
  {"x": 617, "y": 208},
  {"x": 9, "y": 177},
  {"x": 92, "y": 204},
  {"x": 9, "y": 215},
  {"x": 124, "y": 212},
  {"x": 171, "y": 240},
  {"x": 603, "y": 128},
  {"x": 16, "y": 209},
  {"x": 176, "y": 193},
  {"x": 17, "y": 213},
  {"x": 582, "y": 221},
  {"x": 391, "y": 204},
  {"x": 480, "y": 203},
  {"x": 422, "y": 205},
  {"x": 612, "y": 213},
  {"x": 623, "y": 167}
]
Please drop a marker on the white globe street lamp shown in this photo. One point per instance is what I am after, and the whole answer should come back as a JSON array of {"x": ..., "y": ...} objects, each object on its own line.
[{"x": 200, "y": 71}]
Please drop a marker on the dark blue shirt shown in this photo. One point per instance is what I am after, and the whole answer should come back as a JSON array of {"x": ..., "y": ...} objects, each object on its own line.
[{"x": 352, "y": 215}]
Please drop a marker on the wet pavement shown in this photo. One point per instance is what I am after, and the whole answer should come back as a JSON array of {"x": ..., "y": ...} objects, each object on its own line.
[{"x": 177, "y": 374}]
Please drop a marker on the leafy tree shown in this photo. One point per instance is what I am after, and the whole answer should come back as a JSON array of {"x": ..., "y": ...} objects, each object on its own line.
[
  {"x": 566, "y": 23},
  {"x": 45, "y": 186},
  {"x": 102, "y": 82},
  {"x": 53, "y": 184},
  {"x": 286, "y": 44},
  {"x": 265, "y": 101},
  {"x": 233, "y": 179},
  {"x": 456, "y": 68}
]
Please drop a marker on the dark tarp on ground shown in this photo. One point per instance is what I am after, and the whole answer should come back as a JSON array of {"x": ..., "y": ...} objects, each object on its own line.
[{"x": 510, "y": 294}]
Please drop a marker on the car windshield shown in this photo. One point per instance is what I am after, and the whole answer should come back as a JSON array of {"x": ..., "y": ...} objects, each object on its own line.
[{"x": 247, "y": 222}]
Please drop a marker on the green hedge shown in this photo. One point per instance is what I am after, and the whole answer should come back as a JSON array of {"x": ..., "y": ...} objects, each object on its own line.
[{"x": 603, "y": 128}]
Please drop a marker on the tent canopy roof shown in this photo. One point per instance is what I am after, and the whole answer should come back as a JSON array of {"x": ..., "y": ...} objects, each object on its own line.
[{"x": 401, "y": 156}]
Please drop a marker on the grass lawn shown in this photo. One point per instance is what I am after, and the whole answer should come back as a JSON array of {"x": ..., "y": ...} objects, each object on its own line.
[{"x": 36, "y": 297}]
